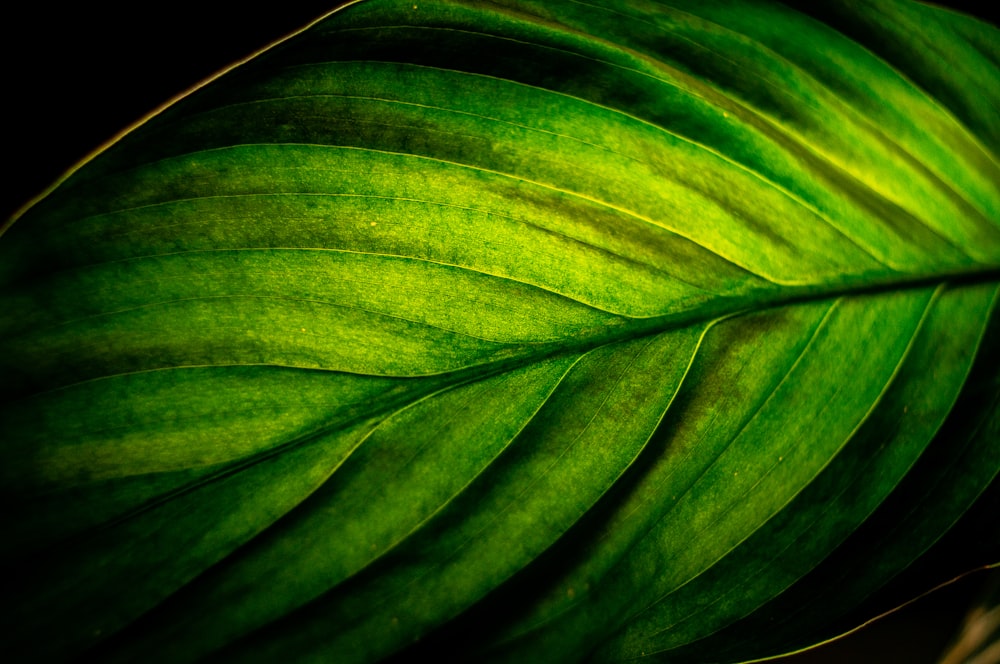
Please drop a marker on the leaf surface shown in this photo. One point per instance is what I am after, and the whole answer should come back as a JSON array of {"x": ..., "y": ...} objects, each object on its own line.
[{"x": 515, "y": 331}]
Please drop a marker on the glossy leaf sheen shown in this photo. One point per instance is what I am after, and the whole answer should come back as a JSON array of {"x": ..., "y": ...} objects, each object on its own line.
[{"x": 515, "y": 331}]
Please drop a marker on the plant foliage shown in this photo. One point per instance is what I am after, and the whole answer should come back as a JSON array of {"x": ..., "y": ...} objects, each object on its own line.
[{"x": 515, "y": 331}]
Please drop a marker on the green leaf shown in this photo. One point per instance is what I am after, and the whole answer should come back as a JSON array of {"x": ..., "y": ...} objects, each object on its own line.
[{"x": 515, "y": 331}]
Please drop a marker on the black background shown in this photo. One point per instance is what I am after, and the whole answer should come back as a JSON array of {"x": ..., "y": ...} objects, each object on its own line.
[{"x": 77, "y": 76}]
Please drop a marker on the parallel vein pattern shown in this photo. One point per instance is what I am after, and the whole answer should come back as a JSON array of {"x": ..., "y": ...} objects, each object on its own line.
[{"x": 515, "y": 331}]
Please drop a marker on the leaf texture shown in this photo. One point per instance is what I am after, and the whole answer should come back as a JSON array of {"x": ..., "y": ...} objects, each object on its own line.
[{"x": 515, "y": 331}]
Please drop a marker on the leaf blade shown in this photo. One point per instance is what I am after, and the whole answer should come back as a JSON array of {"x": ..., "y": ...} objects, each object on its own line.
[{"x": 372, "y": 250}]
